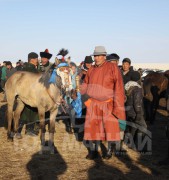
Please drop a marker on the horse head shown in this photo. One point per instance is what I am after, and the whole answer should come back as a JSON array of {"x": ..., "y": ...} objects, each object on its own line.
[{"x": 51, "y": 77}]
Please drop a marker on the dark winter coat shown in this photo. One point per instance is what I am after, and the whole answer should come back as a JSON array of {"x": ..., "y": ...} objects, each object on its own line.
[
  {"x": 44, "y": 68},
  {"x": 10, "y": 72},
  {"x": 127, "y": 76},
  {"x": 134, "y": 103},
  {"x": 29, "y": 114}
]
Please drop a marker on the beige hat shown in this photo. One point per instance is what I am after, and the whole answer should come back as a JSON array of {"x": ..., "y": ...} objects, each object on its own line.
[{"x": 99, "y": 50}]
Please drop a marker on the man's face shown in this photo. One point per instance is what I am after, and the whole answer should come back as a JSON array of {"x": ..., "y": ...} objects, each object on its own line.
[
  {"x": 114, "y": 62},
  {"x": 73, "y": 69},
  {"x": 8, "y": 66},
  {"x": 100, "y": 59},
  {"x": 44, "y": 61},
  {"x": 126, "y": 66},
  {"x": 34, "y": 61},
  {"x": 88, "y": 65}
]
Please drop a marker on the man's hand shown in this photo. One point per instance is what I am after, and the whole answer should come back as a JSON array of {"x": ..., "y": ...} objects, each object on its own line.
[{"x": 73, "y": 94}]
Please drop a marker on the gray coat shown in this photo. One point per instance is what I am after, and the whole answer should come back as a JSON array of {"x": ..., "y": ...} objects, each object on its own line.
[
  {"x": 10, "y": 72},
  {"x": 44, "y": 68}
]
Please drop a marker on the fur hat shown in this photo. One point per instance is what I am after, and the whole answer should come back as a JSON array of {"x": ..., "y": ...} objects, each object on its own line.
[
  {"x": 63, "y": 52},
  {"x": 88, "y": 59},
  {"x": 45, "y": 54}
]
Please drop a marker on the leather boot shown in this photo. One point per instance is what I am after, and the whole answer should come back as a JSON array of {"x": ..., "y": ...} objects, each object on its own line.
[
  {"x": 119, "y": 150},
  {"x": 110, "y": 150},
  {"x": 68, "y": 126},
  {"x": 92, "y": 154}
]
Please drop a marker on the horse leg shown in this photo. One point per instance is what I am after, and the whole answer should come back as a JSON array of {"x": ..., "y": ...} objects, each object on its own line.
[
  {"x": 52, "y": 130},
  {"x": 147, "y": 109},
  {"x": 41, "y": 112},
  {"x": 10, "y": 101},
  {"x": 17, "y": 113},
  {"x": 9, "y": 118},
  {"x": 155, "y": 104},
  {"x": 167, "y": 103}
]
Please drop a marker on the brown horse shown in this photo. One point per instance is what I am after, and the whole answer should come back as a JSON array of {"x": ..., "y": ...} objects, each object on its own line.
[
  {"x": 155, "y": 86},
  {"x": 36, "y": 91},
  {"x": 166, "y": 73}
]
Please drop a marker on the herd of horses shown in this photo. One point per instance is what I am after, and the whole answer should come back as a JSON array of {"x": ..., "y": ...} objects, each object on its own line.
[{"x": 36, "y": 90}]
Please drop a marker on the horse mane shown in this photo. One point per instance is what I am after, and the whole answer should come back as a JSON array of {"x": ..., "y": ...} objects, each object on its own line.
[{"x": 44, "y": 79}]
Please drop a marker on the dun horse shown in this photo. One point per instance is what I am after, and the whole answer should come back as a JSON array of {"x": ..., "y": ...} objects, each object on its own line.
[
  {"x": 155, "y": 86},
  {"x": 34, "y": 90}
]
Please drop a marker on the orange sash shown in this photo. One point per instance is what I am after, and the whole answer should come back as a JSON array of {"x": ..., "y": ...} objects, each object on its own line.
[{"x": 88, "y": 102}]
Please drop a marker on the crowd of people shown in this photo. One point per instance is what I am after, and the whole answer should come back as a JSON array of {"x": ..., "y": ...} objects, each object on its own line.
[{"x": 108, "y": 95}]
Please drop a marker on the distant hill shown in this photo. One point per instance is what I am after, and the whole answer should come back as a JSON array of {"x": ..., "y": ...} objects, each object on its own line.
[{"x": 161, "y": 66}]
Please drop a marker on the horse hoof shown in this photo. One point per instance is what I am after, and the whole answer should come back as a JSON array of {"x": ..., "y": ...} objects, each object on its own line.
[
  {"x": 10, "y": 136},
  {"x": 53, "y": 150},
  {"x": 18, "y": 136},
  {"x": 10, "y": 139}
]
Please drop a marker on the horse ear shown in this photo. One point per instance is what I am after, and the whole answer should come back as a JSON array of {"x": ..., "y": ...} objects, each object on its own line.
[
  {"x": 56, "y": 61},
  {"x": 68, "y": 60}
]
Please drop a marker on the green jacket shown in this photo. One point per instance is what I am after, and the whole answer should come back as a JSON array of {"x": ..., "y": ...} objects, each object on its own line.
[{"x": 3, "y": 75}]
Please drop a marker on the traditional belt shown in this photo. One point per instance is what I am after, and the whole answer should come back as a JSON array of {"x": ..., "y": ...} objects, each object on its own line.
[{"x": 88, "y": 102}]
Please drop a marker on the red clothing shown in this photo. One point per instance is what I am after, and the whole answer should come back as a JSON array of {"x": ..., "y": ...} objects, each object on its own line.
[{"x": 102, "y": 84}]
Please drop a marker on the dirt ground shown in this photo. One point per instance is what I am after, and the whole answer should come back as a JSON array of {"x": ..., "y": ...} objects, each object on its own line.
[{"x": 23, "y": 159}]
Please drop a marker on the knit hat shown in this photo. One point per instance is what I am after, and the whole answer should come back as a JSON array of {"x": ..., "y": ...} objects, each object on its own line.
[
  {"x": 126, "y": 60},
  {"x": 32, "y": 55},
  {"x": 113, "y": 57}
]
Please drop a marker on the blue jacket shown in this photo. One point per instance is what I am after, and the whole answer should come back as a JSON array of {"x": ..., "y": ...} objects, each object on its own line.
[{"x": 77, "y": 105}]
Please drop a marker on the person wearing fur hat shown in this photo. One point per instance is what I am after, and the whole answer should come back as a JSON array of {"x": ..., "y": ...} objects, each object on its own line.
[
  {"x": 45, "y": 64},
  {"x": 85, "y": 66},
  {"x": 88, "y": 62}
]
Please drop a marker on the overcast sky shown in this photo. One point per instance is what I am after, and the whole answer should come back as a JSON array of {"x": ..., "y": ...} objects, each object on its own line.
[{"x": 137, "y": 29}]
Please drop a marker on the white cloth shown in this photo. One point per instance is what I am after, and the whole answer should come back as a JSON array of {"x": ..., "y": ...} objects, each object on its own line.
[{"x": 131, "y": 84}]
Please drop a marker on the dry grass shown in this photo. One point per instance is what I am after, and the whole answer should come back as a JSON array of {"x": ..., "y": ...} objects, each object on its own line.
[{"x": 22, "y": 159}]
